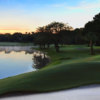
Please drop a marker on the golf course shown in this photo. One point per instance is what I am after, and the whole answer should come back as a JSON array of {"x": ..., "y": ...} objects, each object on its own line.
[
  {"x": 72, "y": 67},
  {"x": 50, "y": 50}
]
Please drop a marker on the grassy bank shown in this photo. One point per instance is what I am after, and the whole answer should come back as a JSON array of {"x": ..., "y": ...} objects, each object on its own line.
[{"x": 72, "y": 67}]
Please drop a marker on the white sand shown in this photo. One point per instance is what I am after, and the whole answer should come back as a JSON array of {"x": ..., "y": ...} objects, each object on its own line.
[{"x": 84, "y": 93}]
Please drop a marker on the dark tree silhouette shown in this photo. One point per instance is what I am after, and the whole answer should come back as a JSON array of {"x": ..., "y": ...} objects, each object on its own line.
[
  {"x": 17, "y": 37},
  {"x": 90, "y": 34},
  {"x": 49, "y": 34},
  {"x": 55, "y": 28},
  {"x": 58, "y": 33}
]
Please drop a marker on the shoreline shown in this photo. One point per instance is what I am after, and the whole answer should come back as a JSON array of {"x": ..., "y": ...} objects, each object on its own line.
[{"x": 61, "y": 74}]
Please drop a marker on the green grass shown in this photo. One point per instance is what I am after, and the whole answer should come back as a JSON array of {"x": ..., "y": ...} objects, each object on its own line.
[
  {"x": 15, "y": 44},
  {"x": 72, "y": 67}
]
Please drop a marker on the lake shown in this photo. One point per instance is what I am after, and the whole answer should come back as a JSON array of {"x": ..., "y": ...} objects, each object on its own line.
[{"x": 15, "y": 60}]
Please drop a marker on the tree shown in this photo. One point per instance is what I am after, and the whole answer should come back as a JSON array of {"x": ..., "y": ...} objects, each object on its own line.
[
  {"x": 78, "y": 38},
  {"x": 17, "y": 37},
  {"x": 49, "y": 34},
  {"x": 43, "y": 37},
  {"x": 97, "y": 27},
  {"x": 41, "y": 29},
  {"x": 90, "y": 35},
  {"x": 93, "y": 31},
  {"x": 66, "y": 37},
  {"x": 54, "y": 28},
  {"x": 97, "y": 17}
]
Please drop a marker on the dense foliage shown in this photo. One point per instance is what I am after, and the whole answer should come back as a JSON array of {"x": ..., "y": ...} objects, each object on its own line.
[
  {"x": 17, "y": 37},
  {"x": 58, "y": 33}
]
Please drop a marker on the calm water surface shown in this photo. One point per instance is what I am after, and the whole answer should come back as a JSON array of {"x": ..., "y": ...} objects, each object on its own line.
[{"x": 16, "y": 60}]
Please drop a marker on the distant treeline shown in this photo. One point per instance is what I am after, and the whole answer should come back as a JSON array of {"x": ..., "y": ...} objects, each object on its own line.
[
  {"x": 58, "y": 33},
  {"x": 17, "y": 37},
  {"x": 41, "y": 37}
]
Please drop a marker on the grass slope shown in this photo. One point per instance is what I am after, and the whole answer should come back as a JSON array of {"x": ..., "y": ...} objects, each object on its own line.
[{"x": 72, "y": 67}]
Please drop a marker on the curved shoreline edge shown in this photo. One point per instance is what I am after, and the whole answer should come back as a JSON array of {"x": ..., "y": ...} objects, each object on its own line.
[{"x": 60, "y": 74}]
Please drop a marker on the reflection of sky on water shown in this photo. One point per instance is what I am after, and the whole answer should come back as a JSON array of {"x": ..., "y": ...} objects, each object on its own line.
[
  {"x": 15, "y": 63},
  {"x": 16, "y": 60}
]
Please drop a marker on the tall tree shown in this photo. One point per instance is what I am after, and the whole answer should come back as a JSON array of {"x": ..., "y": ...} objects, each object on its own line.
[
  {"x": 90, "y": 34},
  {"x": 55, "y": 28},
  {"x": 43, "y": 37}
]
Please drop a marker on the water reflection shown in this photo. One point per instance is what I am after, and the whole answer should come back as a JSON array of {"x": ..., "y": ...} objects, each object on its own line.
[
  {"x": 40, "y": 60},
  {"x": 9, "y": 49},
  {"x": 16, "y": 60}
]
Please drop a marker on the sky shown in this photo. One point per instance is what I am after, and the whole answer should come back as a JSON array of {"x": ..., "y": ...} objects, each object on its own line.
[{"x": 28, "y": 15}]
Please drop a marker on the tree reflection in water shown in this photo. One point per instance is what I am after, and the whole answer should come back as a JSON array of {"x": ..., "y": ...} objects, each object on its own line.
[{"x": 40, "y": 60}]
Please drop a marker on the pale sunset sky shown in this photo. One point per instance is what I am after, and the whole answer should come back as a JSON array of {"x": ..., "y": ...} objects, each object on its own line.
[{"x": 27, "y": 15}]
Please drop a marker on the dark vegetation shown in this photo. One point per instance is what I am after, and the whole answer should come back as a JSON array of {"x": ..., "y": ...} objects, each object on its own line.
[
  {"x": 40, "y": 60},
  {"x": 57, "y": 33},
  {"x": 17, "y": 37}
]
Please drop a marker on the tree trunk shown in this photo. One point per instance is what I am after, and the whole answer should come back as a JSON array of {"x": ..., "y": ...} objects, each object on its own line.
[{"x": 91, "y": 47}]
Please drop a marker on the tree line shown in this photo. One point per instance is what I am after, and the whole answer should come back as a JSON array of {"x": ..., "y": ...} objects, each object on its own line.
[
  {"x": 58, "y": 33},
  {"x": 17, "y": 37}
]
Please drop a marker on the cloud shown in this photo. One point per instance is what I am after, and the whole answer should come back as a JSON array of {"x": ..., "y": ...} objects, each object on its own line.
[
  {"x": 78, "y": 14},
  {"x": 81, "y": 6},
  {"x": 30, "y": 17},
  {"x": 86, "y": 6}
]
